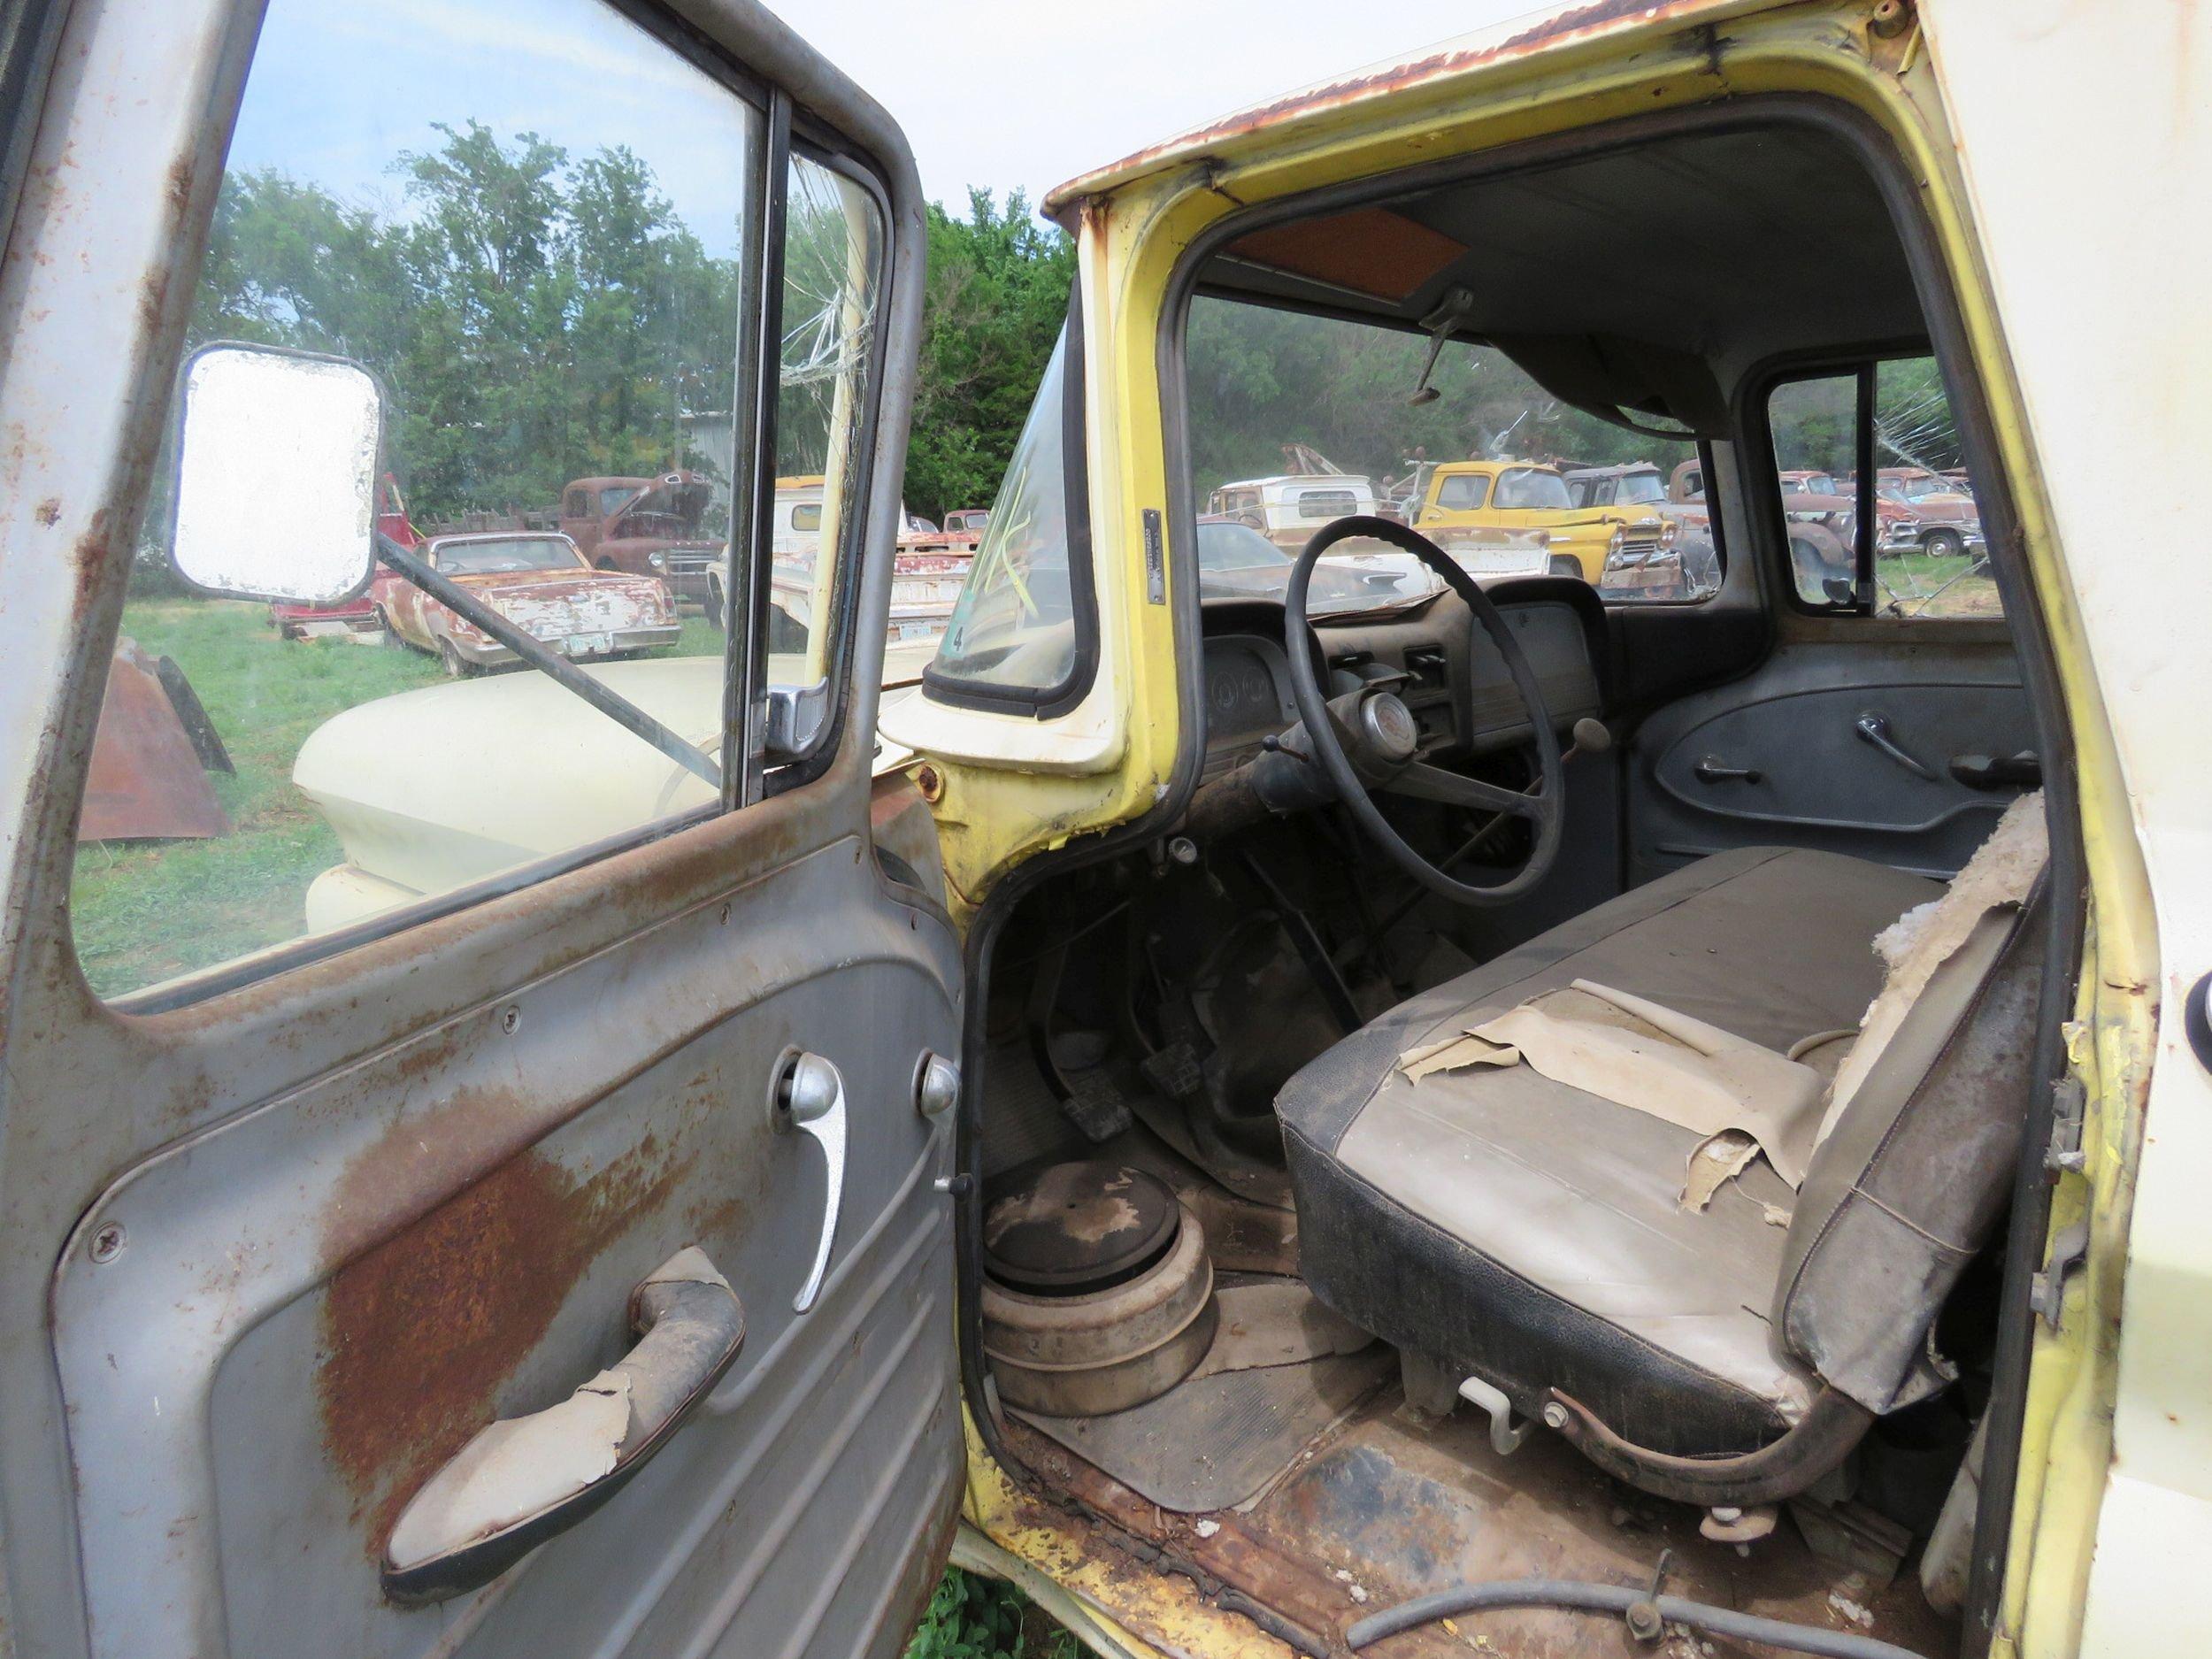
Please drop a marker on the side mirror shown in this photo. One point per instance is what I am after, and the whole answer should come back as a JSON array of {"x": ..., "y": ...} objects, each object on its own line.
[{"x": 276, "y": 474}]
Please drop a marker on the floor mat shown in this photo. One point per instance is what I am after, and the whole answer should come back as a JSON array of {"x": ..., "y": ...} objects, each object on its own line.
[{"x": 1212, "y": 1442}]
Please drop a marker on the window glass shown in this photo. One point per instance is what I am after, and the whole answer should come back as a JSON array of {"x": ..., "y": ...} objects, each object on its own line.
[
  {"x": 832, "y": 237},
  {"x": 547, "y": 287},
  {"x": 1334, "y": 399},
  {"x": 1522, "y": 487},
  {"x": 1013, "y": 628},
  {"x": 1458, "y": 491},
  {"x": 1930, "y": 556}
]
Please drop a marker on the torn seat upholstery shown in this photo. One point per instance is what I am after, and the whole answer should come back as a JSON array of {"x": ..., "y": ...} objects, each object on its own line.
[{"x": 1505, "y": 1225}]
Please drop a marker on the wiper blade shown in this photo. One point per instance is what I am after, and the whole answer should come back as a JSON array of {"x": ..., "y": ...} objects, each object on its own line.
[{"x": 621, "y": 709}]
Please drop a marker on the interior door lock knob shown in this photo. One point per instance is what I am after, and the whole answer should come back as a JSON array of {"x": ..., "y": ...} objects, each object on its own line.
[{"x": 936, "y": 1086}]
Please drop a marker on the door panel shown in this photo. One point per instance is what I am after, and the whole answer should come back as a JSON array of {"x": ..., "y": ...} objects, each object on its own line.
[
  {"x": 1815, "y": 779},
  {"x": 321, "y": 1299},
  {"x": 282, "y": 1241}
]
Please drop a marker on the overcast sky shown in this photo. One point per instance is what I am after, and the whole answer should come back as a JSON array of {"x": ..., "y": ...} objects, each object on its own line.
[
  {"x": 1000, "y": 94},
  {"x": 1029, "y": 93}
]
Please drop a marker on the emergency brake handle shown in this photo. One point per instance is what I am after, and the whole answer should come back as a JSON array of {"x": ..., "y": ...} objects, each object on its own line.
[{"x": 522, "y": 1479}]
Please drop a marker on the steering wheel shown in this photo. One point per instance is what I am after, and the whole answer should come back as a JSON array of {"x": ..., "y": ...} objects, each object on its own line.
[{"x": 1384, "y": 735}]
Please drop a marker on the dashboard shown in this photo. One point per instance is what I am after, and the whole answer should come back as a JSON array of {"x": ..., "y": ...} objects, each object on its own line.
[{"x": 1453, "y": 679}]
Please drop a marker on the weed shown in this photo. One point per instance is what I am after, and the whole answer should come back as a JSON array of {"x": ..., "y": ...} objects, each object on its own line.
[{"x": 973, "y": 1618}]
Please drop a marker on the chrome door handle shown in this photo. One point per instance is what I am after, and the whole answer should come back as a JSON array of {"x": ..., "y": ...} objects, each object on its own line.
[
  {"x": 522, "y": 1479},
  {"x": 811, "y": 1097},
  {"x": 1711, "y": 770},
  {"x": 1875, "y": 729}
]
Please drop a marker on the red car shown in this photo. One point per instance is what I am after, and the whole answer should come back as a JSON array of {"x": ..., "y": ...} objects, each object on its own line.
[
  {"x": 357, "y": 615},
  {"x": 540, "y": 581}
]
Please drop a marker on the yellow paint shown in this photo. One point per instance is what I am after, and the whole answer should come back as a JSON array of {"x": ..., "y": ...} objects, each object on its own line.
[
  {"x": 1147, "y": 1612},
  {"x": 1583, "y": 534},
  {"x": 1130, "y": 241}
]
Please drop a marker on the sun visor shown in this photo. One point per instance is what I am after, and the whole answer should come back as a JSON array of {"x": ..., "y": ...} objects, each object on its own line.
[{"x": 1619, "y": 379}]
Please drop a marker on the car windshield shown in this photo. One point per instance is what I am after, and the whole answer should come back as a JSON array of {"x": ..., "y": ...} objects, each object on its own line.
[
  {"x": 1235, "y": 546},
  {"x": 1237, "y": 562},
  {"x": 1533, "y": 488},
  {"x": 1921, "y": 488},
  {"x": 506, "y": 554},
  {"x": 612, "y": 498},
  {"x": 1640, "y": 486},
  {"x": 1817, "y": 484}
]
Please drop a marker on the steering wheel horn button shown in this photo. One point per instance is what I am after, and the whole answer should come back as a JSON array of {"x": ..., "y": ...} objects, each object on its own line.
[{"x": 1387, "y": 726}]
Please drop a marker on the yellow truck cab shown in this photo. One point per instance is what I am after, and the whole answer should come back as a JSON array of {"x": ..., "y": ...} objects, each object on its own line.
[
  {"x": 1293, "y": 1116},
  {"x": 1595, "y": 543}
]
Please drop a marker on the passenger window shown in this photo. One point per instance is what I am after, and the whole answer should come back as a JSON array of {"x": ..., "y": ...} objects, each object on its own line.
[
  {"x": 1930, "y": 553},
  {"x": 549, "y": 293},
  {"x": 1334, "y": 399},
  {"x": 831, "y": 251}
]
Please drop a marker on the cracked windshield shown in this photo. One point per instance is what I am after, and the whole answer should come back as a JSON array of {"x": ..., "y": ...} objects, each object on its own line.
[
  {"x": 548, "y": 288},
  {"x": 1298, "y": 419}
]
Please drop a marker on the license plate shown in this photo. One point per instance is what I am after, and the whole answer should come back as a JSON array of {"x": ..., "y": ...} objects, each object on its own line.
[{"x": 590, "y": 644}]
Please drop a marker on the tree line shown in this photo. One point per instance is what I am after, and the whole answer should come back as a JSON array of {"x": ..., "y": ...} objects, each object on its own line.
[{"x": 537, "y": 316}]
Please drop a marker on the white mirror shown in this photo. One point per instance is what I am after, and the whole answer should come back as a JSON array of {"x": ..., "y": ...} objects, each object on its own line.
[{"x": 276, "y": 474}]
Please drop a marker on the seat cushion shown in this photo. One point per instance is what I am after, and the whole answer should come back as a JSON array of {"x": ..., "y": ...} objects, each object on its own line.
[{"x": 1512, "y": 1228}]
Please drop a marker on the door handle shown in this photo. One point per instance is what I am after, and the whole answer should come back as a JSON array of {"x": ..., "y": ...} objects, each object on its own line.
[
  {"x": 811, "y": 1097},
  {"x": 2023, "y": 770},
  {"x": 1712, "y": 770},
  {"x": 1875, "y": 729},
  {"x": 522, "y": 1479}
]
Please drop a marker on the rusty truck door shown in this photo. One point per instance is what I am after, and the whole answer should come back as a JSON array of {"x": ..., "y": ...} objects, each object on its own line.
[{"x": 491, "y": 1066}]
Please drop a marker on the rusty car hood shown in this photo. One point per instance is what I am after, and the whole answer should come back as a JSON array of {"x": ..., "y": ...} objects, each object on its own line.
[
  {"x": 571, "y": 601},
  {"x": 683, "y": 497}
]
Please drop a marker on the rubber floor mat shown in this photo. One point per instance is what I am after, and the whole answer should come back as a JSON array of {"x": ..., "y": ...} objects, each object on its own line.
[{"x": 1212, "y": 1442}]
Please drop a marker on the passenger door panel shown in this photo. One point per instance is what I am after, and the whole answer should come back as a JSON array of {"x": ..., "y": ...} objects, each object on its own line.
[{"x": 1778, "y": 758}]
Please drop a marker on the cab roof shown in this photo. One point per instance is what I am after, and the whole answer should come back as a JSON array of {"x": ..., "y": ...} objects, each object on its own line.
[{"x": 1541, "y": 29}]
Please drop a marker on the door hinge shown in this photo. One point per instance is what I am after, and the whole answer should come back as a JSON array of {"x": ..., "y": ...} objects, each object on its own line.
[
  {"x": 2071, "y": 1102},
  {"x": 2047, "y": 1291}
]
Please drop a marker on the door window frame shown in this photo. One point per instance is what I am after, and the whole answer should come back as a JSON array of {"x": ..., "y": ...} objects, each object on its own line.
[
  {"x": 793, "y": 133},
  {"x": 1763, "y": 474}
]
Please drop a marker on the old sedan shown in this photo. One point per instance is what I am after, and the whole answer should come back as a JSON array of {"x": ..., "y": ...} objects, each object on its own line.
[{"x": 540, "y": 581}]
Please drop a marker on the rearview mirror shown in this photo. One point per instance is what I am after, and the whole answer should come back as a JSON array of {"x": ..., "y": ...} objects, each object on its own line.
[{"x": 276, "y": 474}]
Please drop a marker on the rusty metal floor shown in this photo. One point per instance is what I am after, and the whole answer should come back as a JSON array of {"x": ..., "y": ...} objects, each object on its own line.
[
  {"x": 1213, "y": 1442},
  {"x": 1384, "y": 1507}
]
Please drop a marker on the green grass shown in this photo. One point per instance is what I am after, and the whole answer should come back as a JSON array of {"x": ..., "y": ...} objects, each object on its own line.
[
  {"x": 147, "y": 910},
  {"x": 1917, "y": 583},
  {"x": 971, "y": 1617}
]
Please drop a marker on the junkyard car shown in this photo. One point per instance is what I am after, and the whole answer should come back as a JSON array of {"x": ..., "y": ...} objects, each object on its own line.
[
  {"x": 1287, "y": 507},
  {"x": 1527, "y": 1119},
  {"x": 647, "y": 526},
  {"x": 1624, "y": 545},
  {"x": 538, "y": 581},
  {"x": 1931, "y": 513},
  {"x": 1638, "y": 484}
]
